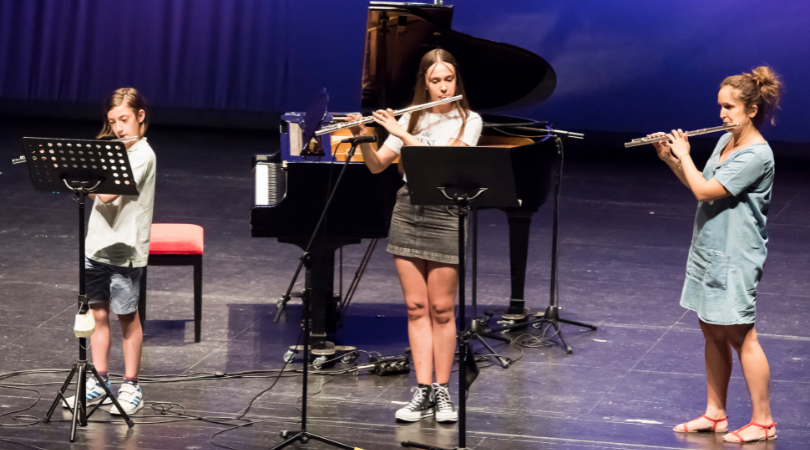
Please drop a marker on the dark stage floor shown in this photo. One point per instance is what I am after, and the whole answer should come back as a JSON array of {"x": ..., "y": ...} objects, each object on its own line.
[{"x": 626, "y": 224}]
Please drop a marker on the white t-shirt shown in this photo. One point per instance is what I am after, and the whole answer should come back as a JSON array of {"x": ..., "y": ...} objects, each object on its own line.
[
  {"x": 437, "y": 129},
  {"x": 118, "y": 232}
]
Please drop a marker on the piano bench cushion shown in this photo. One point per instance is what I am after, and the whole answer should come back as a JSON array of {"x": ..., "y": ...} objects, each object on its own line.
[{"x": 176, "y": 239}]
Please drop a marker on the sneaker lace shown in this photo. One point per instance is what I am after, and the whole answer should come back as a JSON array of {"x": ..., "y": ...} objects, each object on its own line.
[
  {"x": 417, "y": 399},
  {"x": 442, "y": 397}
]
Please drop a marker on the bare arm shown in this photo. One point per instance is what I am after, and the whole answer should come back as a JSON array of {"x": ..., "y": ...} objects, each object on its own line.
[{"x": 382, "y": 158}]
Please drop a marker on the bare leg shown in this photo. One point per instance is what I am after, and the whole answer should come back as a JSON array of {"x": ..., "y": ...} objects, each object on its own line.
[
  {"x": 718, "y": 373},
  {"x": 757, "y": 376},
  {"x": 413, "y": 278},
  {"x": 100, "y": 340},
  {"x": 133, "y": 343},
  {"x": 442, "y": 283}
]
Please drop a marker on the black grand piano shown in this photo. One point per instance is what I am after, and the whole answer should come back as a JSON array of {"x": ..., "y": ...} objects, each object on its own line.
[{"x": 291, "y": 184}]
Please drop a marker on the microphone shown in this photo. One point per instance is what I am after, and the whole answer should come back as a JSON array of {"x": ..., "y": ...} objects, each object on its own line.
[{"x": 360, "y": 140}]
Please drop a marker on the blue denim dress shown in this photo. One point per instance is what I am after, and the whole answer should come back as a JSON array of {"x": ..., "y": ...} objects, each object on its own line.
[{"x": 728, "y": 245}]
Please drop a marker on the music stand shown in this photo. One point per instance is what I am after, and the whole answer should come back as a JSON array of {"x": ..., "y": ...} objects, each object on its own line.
[
  {"x": 83, "y": 166},
  {"x": 465, "y": 177}
]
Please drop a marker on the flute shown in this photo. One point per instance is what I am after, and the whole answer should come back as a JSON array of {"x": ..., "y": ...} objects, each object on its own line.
[
  {"x": 354, "y": 123},
  {"x": 646, "y": 140}
]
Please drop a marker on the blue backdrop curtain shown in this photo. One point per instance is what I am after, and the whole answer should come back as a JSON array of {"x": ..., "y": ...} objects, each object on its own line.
[
  {"x": 622, "y": 65},
  {"x": 247, "y": 55}
]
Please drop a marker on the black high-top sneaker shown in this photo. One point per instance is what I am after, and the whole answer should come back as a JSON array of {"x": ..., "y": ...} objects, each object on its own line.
[
  {"x": 420, "y": 406},
  {"x": 445, "y": 411}
]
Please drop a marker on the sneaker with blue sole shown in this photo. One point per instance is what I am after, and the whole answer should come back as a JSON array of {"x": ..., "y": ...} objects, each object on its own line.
[
  {"x": 130, "y": 397},
  {"x": 94, "y": 393}
]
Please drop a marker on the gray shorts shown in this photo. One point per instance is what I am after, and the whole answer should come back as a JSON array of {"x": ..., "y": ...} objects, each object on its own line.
[{"x": 120, "y": 286}]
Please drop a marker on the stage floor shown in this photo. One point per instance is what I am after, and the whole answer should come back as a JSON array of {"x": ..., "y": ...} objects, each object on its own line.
[{"x": 625, "y": 227}]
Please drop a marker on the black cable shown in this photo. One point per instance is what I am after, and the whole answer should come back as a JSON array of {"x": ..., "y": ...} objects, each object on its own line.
[
  {"x": 286, "y": 361},
  {"x": 253, "y": 400}
]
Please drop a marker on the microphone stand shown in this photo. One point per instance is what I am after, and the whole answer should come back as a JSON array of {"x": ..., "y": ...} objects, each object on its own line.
[
  {"x": 552, "y": 313},
  {"x": 303, "y": 435}
]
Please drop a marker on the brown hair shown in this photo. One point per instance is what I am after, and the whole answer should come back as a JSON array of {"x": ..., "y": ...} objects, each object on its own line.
[
  {"x": 421, "y": 95},
  {"x": 761, "y": 88},
  {"x": 134, "y": 100}
]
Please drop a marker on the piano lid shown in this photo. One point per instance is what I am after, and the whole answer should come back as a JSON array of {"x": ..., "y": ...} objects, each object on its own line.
[{"x": 399, "y": 34}]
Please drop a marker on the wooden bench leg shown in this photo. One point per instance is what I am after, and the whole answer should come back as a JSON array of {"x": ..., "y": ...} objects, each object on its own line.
[{"x": 197, "y": 298}]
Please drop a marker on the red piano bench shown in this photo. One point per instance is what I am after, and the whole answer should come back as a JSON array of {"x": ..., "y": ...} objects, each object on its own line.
[{"x": 176, "y": 244}]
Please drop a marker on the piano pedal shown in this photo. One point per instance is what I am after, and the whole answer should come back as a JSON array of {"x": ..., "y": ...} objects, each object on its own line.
[
  {"x": 325, "y": 356},
  {"x": 516, "y": 317}
]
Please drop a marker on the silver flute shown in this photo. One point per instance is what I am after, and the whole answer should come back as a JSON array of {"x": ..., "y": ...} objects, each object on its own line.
[
  {"x": 354, "y": 123},
  {"x": 651, "y": 140}
]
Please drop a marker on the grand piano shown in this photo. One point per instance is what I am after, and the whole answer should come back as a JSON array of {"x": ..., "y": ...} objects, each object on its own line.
[{"x": 291, "y": 184}]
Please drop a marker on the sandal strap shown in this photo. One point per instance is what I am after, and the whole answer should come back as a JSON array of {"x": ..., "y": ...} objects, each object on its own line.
[
  {"x": 716, "y": 421},
  {"x": 764, "y": 427}
]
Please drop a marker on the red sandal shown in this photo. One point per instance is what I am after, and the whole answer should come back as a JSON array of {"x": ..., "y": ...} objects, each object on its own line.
[
  {"x": 764, "y": 427},
  {"x": 713, "y": 428}
]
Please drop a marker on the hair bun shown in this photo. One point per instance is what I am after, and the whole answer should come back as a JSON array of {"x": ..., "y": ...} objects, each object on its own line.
[{"x": 762, "y": 88}]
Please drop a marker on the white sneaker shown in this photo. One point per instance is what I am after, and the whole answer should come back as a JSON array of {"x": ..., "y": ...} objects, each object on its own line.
[
  {"x": 130, "y": 398},
  {"x": 94, "y": 393},
  {"x": 445, "y": 411},
  {"x": 421, "y": 406}
]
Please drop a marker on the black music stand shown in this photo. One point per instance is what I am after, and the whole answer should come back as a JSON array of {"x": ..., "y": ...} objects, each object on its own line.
[
  {"x": 465, "y": 177},
  {"x": 313, "y": 120},
  {"x": 84, "y": 167}
]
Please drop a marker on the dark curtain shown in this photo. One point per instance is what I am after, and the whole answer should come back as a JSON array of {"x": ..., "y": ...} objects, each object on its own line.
[{"x": 247, "y": 55}]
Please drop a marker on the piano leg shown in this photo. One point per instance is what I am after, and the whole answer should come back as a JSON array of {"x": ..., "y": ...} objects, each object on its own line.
[
  {"x": 319, "y": 283},
  {"x": 520, "y": 221}
]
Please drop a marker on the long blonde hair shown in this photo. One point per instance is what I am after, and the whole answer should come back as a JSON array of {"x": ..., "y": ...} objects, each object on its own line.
[
  {"x": 421, "y": 94},
  {"x": 133, "y": 99}
]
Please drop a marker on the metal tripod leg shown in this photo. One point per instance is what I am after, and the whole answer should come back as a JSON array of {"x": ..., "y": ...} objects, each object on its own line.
[
  {"x": 478, "y": 331},
  {"x": 305, "y": 436},
  {"x": 61, "y": 395},
  {"x": 79, "y": 408},
  {"x": 80, "y": 405},
  {"x": 579, "y": 324},
  {"x": 109, "y": 394},
  {"x": 556, "y": 326},
  {"x": 504, "y": 361}
]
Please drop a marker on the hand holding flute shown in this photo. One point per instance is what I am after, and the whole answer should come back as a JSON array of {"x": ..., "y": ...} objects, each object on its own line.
[
  {"x": 672, "y": 149},
  {"x": 384, "y": 117}
]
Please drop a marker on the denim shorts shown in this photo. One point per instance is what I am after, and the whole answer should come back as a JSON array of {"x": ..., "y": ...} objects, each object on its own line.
[
  {"x": 424, "y": 232},
  {"x": 120, "y": 286}
]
